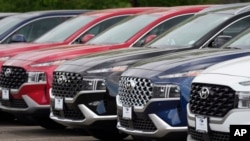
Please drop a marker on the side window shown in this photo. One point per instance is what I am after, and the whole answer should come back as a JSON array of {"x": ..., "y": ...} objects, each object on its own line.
[
  {"x": 160, "y": 29},
  {"x": 230, "y": 32},
  {"x": 101, "y": 27},
  {"x": 37, "y": 28}
]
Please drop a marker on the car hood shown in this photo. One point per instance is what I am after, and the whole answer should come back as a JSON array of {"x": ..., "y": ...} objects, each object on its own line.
[
  {"x": 6, "y": 49},
  {"x": 182, "y": 62},
  {"x": 112, "y": 58},
  {"x": 236, "y": 67},
  {"x": 55, "y": 53}
]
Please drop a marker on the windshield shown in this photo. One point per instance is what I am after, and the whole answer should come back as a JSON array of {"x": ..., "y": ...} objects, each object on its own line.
[
  {"x": 240, "y": 41},
  {"x": 190, "y": 31},
  {"x": 124, "y": 30},
  {"x": 8, "y": 23},
  {"x": 65, "y": 30}
]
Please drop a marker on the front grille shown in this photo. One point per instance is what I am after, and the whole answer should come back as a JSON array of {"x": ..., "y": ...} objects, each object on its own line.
[
  {"x": 213, "y": 135},
  {"x": 135, "y": 91},
  {"x": 143, "y": 124},
  {"x": 68, "y": 112},
  {"x": 14, "y": 103},
  {"x": 12, "y": 77},
  {"x": 220, "y": 101},
  {"x": 66, "y": 84}
]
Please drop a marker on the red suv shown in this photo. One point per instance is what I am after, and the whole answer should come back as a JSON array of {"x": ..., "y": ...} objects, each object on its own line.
[
  {"x": 73, "y": 31},
  {"x": 26, "y": 79}
]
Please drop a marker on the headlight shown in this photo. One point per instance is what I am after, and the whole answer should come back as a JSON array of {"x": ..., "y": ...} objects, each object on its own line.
[
  {"x": 245, "y": 83},
  {"x": 4, "y": 58},
  {"x": 166, "y": 91},
  {"x": 244, "y": 99},
  {"x": 183, "y": 74},
  {"x": 93, "y": 84},
  {"x": 52, "y": 63},
  {"x": 36, "y": 77},
  {"x": 111, "y": 69}
]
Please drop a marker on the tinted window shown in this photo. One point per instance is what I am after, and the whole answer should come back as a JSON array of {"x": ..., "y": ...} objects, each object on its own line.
[
  {"x": 190, "y": 31},
  {"x": 101, "y": 27},
  {"x": 37, "y": 28},
  {"x": 237, "y": 27},
  {"x": 124, "y": 30},
  {"x": 65, "y": 30},
  {"x": 164, "y": 26},
  {"x": 240, "y": 41}
]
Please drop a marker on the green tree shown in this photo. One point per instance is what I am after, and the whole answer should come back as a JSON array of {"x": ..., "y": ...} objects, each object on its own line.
[{"x": 34, "y": 5}]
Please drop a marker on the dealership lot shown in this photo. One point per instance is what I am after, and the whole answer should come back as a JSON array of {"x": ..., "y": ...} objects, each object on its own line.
[{"x": 14, "y": 131}]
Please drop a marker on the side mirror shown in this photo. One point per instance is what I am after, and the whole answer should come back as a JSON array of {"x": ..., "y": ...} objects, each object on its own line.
[
  {"x": 87, "y": 37},
  {"x": 149, "y": 38},
  {"x": 17, "y": 38},
  {"x": 221, "y": 40}
]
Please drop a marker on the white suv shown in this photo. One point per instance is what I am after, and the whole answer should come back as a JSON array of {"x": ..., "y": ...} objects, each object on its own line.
[{"x": 220, "y": 97}]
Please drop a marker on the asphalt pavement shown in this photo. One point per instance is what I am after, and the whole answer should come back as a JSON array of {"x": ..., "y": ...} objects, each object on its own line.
[{"x": 16, "y": 131}]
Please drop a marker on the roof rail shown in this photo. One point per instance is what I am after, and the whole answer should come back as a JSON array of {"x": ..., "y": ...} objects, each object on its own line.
[{"x": 242, "y": 10}]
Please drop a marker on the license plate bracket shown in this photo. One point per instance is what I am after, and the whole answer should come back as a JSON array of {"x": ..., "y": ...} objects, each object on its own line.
[
  {"x": 58, "y": 103},
  {"x": 127, "y": 112},
  {"x": 5, "y": 94},
  {"x": 201, "y": 124}
]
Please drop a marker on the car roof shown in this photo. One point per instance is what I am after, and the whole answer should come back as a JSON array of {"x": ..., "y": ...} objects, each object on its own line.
[
  {"x": 174, "y": 9},
  {"x": 234, "y": 8},
  {"x": 5, "y": 14},
  {"x": 34, "y": 14},
  {"x": 114, "y": 11}
]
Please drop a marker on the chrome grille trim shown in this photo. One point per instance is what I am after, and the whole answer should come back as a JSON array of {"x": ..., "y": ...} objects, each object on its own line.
[
  {"x": 219, "y": 102},
  {"x": 135, "y": 91},
  {"x": 66, "y": 84},
  {"x": 16, "y": 77}
]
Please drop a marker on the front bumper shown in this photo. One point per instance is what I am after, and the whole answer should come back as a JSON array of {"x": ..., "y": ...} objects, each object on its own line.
[
  {"x": 219, "y": 127},
  {"x": 29, "y": 99},
  {"x": 87, "y": 116},
  {"x": 150, "y": 119}
]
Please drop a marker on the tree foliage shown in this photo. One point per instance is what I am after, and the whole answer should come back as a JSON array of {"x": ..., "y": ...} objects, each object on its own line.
[{"x": 34, "y": 5}]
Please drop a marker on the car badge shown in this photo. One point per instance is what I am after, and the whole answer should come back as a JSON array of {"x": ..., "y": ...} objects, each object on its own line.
[
  {"x": 7, "y": 72},
  {"x": 204, "y": 92},
  {"x": 131, "y": 84},
  {"x": 61, "y": 79}
]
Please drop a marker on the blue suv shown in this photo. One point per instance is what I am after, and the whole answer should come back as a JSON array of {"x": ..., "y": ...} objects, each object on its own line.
[{"x": 153, "y": 93}]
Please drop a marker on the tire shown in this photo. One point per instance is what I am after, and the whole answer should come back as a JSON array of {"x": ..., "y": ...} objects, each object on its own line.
[
  {"x": 107, "y": 135},
  {"x": 48, "y": 123}
]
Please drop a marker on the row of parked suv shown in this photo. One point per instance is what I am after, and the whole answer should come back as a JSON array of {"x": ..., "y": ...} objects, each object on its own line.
[{"x": 134, "y": 71}]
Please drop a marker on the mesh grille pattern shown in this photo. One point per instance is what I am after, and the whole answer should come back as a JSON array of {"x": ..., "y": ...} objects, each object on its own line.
[
  {"x": 136, "y": 123},
  {"x": 220, "y": 101},
  {"x": 12, "y": 77},
  {"x": 213, "y": 135},
  {"x": 66, "y": 84},
  {"x": 135, "y": 91},
  {"x": 71, "y": 112},
  {"x": 14, "y": 103}
]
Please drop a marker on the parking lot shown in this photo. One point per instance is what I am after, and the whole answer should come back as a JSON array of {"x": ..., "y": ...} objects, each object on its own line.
[{"x": 14, "y": 131}]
